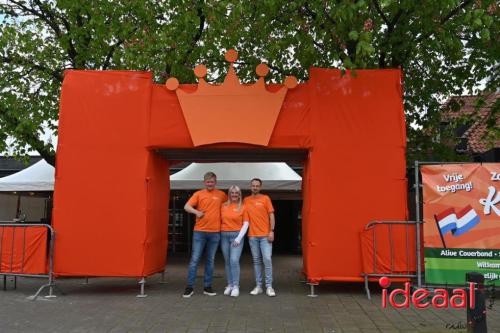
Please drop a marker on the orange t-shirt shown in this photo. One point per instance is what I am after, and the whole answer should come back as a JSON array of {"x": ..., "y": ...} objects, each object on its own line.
[
  {"x": 208, "y": 202},
  {"x": 259, "y": 207},
  {"x": 232, "y": 218}
]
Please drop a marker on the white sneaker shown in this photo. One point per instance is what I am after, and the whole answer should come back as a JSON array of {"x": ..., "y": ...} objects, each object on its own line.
[
  {"x": 257, "y": 290},
  {"x": 227, "y": 291},
  {"x": 270, "y": 292},
  {"x": 235, "y": 292}
]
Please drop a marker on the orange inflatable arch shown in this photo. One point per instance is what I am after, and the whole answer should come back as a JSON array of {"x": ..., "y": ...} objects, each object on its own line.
[{"x": 119, "y": 132}]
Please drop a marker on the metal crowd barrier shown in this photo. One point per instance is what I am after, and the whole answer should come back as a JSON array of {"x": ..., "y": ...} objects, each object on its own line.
[
  {"x": 22, "y": 273},
  {"x": 409, "y": 271}
]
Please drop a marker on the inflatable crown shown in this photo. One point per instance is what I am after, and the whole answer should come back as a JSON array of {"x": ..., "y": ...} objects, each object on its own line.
[{"x": 231, "y": 112}]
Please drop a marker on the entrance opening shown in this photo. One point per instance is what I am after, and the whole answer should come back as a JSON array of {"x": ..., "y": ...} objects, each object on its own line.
[{"x": 287, "y": 202}]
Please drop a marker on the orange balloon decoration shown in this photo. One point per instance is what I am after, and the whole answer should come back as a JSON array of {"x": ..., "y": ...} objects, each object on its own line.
[{"x": 172, "y": 83}]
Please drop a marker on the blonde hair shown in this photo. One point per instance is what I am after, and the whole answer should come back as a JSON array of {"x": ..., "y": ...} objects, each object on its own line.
[
  {"x": 233, "y": 188},
  {"x": 209, "y": 175}
]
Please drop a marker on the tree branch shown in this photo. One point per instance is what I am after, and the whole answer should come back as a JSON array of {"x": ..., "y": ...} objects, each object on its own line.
[
  {"x": 328, "y": 17},
  {"x": 380, "y": 12},
  {"x": 199, "y": 32},
  {"x": 112, "y": 48},
  {"x": 445, "y": 19},
  {"x": 56, "y": 74},
  {"x": 306, "y": 10},
  {"x": 279, "y": 70},
  {"x": 390, "y": 29},
  {"x": 396, "y": 18},
  {"x": 52, "y": 24},
  {"x": 72, "y": 53},
  {"x": 35, "y": 143}
]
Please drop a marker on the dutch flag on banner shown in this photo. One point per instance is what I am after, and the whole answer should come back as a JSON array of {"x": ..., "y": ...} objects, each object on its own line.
[
  {"x": 467, "y": 218},
  {"x": 447, "y": 220},
  {"x": 458, "y": 223}
]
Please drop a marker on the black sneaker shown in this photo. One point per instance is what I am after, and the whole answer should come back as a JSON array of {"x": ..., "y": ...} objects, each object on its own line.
[
  {"x": 188, "y": 292},
  {"x": 209, "y": 291}
]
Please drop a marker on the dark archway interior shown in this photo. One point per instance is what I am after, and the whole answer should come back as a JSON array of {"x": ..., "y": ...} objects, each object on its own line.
[
  {"x": 250, "y": 154},
  {"x": 288, "y": 205}
]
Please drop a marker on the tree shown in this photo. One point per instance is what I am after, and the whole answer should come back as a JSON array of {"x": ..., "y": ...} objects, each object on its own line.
[
  {"x": 41, "y": 39},
  {"x": 443, "y": 47}
]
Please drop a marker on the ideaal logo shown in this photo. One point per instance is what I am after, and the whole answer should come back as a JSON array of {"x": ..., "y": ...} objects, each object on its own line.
[{"x": 440, "y": 298}]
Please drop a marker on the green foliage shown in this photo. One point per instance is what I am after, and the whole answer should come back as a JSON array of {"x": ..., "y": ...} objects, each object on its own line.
[{"x": 444, "y": 48}]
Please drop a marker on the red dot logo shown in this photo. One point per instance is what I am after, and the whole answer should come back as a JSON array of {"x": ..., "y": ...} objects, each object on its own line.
[{"x": 384, "y": 282}]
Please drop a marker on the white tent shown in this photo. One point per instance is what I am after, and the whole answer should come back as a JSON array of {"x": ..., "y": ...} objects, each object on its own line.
[
  {"x": 275, "y": 176},
  {"x": 38, "y": 177}
]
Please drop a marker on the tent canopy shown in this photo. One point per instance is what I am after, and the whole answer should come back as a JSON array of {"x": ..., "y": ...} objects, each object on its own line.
[
  {"x": 38, "y": 177},
  {"x": 275, "y": 176}
]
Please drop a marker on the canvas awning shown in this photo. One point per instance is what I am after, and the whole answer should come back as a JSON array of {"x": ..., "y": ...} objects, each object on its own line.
[
  {"x": 275, "y": 176},
  {"x": 35, "y": 178}
]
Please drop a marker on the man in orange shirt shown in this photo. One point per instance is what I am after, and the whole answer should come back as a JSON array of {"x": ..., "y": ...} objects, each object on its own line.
[
  {"x": 206, "y": 205},
  {"x": 261, "y": 236}
]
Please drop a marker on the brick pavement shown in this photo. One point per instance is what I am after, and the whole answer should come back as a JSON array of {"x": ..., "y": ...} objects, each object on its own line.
[{"x": 110, "y": 305}]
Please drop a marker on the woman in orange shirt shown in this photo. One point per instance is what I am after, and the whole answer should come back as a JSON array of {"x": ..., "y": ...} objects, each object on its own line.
[{"x": 234, "y": 225}]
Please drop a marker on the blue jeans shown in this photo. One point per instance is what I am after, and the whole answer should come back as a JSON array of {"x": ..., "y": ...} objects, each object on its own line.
[
  {"x": 262, "y": 251},
  {"x": 202, "y": 239},
  {"x": 231, "y": 256}
]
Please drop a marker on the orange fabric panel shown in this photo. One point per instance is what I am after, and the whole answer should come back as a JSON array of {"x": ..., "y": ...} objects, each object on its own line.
[
  {"x": 356, "y": 168},
  {"x": 251, "y": 110},
  {"x": 305, "y": 217},
  {"x": 361, "y": 111},
  {"x": 23, "y": 250},
  {"x": 394, "y": 250},
  {"x": 158, "y": 188},
  {"x": 292, "y": 129},
  {"x": 168, "y": 129},
  {"x": 100, "y": 188}
]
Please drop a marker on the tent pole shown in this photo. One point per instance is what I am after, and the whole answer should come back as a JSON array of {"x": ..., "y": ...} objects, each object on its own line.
[
  {"x": 18, "y": 208},
  {"x": 174, "y": 223}
]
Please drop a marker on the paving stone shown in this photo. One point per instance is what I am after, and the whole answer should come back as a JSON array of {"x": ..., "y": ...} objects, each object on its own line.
[{"x": 110, "y": 305}]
